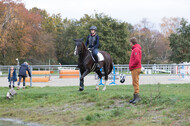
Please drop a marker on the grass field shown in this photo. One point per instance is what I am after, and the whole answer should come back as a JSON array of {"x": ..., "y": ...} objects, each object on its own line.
[{"x": 160, "y": 105}]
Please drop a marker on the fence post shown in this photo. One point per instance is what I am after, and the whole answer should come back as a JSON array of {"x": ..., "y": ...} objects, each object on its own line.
[
  {"x": 31, "y": 76},
  {"x": 113, "y": 80}
]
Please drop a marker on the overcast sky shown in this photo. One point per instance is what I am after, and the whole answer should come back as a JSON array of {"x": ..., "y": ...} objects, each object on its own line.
[{"x": 131, "y": 11}]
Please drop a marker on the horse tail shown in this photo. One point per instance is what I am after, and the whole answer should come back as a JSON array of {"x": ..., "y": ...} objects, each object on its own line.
[{"x": 111, "y": 68}]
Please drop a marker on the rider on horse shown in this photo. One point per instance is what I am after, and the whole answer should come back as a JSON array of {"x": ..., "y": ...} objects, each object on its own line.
[{"x": 93, "y": 42}]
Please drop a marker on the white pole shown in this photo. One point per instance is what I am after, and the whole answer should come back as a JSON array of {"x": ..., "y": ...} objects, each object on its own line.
[{"x": 49, "y": 64}]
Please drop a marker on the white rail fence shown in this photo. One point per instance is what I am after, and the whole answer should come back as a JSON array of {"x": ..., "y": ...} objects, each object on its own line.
[{"x": 147, "y": 69}]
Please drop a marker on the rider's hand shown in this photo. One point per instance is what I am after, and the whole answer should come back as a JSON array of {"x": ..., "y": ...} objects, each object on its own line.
[{"x": 92, "y": 48}]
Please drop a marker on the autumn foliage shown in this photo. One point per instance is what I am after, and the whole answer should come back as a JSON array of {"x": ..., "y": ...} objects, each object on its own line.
[
  {"x": 38, "y": 37},
  {"x": 21, "y": 35}
]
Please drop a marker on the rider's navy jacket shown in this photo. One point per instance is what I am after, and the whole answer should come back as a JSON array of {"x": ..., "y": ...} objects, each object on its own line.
[{"x": 93, "y": 41}]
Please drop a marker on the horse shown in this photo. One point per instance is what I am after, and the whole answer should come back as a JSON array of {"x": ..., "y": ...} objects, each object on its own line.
[{"x": 86, "y": 63}]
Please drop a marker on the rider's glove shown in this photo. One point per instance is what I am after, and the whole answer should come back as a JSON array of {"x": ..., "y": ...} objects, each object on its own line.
[{"x": 92, "y": 48}]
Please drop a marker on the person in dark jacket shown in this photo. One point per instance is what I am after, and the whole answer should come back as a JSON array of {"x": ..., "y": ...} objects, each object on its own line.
[
  {"x": 93, "y": 42},
  {"x": 12, "y": 77},
  {"x": 22, "y": 74},
  {"x": 135, "y": 67}
]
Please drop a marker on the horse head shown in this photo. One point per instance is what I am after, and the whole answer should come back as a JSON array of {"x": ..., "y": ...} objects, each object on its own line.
[{"x": 79, "y": 46}]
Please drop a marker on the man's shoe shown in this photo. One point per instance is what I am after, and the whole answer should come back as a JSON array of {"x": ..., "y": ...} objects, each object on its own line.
[
  {"x": 13, "y": 86},
  {"x": 137, "y": 99},
  {"x": 132, "y": 99},
  {"x": 97, "y": 66},
  {"x": 10, "y": 86}
]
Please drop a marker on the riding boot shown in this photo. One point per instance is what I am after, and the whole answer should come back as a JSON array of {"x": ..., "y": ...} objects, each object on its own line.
[
  {"x": 97, "y": 66},
  {"x": 96, "y": 62},
  {"x": 137, "y": 98}
]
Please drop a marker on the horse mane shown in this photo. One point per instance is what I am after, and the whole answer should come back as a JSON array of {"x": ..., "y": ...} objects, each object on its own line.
[{"x": 84, "y": 47}]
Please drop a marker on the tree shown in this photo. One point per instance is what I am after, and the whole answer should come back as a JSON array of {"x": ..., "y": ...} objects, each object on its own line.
[
  {"x": 180, "y": 43},
  {"x": 169, "y": 25},
  {"x": 113, "y": 34},
  {"x": 155, "y": 46},
  {"x": 21, "y": 35}
]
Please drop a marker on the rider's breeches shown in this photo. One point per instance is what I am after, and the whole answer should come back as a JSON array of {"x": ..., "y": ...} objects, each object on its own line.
[
  {"x": 95, "y": 54},
  {"x": 135, "y": 79}
]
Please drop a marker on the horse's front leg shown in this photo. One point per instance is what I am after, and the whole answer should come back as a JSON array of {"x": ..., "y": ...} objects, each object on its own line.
[
  {"x": 81, "y": 88},
  {"x": 97, "y": 87}
]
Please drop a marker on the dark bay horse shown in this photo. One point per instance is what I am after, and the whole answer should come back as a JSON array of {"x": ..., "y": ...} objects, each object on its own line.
[{"x": 87, "y": 65}]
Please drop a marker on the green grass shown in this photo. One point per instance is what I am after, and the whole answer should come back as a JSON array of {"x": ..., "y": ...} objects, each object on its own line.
[{"x": 160, "y": 105}]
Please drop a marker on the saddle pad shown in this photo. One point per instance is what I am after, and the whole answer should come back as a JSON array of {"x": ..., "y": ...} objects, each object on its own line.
[{"x": 100, "y": 57}]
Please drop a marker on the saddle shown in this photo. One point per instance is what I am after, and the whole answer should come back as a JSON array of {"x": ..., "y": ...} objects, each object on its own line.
[{"x": 100, "y": 56}]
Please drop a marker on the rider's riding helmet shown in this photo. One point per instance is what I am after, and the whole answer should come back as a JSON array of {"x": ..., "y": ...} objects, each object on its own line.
[{"x": 93, "y": 28}]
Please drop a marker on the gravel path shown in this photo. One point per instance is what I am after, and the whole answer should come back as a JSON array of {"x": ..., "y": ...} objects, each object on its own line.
[{"x": 90, "y": 80}]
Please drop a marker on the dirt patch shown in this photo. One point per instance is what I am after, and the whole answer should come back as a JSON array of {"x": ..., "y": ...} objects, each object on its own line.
[
  {"x": 64, "y": 108},
  {"x": 78, "y": 106}
]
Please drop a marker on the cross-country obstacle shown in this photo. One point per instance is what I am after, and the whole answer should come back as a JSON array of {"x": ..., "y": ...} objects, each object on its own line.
[
  {"x": 39, "y": 79},
  {"x": 69, "y": 74},
  {"x": 113, "y": 77}
]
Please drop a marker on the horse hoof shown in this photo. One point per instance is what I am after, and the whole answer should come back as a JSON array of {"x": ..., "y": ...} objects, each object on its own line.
[
  {"x": 80, "y": 89},
  {"x": 97, "y": 89},
  {"x": 103, "y": 89}
]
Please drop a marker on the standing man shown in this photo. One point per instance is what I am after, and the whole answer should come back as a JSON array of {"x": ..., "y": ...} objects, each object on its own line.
[
  {"x": 135, "y": 68},
  {"x": 22, "y": 74}
]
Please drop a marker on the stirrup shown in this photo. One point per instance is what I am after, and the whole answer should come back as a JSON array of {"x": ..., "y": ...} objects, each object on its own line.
[
  {"x": 77, "y": 68},
  {"x": 97, "y": 66}
]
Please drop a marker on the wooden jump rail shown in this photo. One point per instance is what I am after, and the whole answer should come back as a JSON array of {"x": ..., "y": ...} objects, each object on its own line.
[
  {"x": 69, "y": 74},
  {"x": 39, "y": 79}
]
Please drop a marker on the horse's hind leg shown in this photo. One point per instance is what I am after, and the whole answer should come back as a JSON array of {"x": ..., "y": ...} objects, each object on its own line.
[
  {"x": 100, "y": 77},
  {"x": 106, "y": 78}
]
